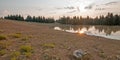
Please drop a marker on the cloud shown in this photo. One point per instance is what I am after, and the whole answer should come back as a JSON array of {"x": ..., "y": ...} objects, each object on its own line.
[
  {"x": 72, "y": 11},
  {"x": 90, "y": 6},
  {"x": 78, "y": 9},
  {"x": 100, "y": 8},
  {"x": 110, "y": 3},
  {"x": 68, "y": 7},
  {"x": 106, "y": 4},
  {"x": 71, "y": 7}
]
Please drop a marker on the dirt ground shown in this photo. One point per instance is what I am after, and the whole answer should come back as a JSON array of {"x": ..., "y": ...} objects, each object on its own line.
[{"x": 49, "y": 44}]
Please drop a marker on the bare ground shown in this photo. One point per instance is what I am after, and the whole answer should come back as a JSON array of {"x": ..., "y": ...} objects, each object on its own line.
[{"x": 65, "y": 43}]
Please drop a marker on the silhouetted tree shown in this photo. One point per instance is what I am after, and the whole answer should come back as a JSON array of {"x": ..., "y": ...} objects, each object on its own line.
[{"x": 109, "y": 19}]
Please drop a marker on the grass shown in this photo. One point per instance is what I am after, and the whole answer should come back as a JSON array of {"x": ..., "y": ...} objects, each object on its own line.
[
  {"x": 30, "y": 36},
  {"x": 19, "y": 33},
  {"x": 50, "y": 57},
  {"x": 26, "y": 48},
  {"x": 2, "y": 52},
  {"x": 102, "y": 55},
  {"x": 3, "y": 37},
  {"x": 3, "y": 45},
  {"x": 15, "y": 54},
  {"x": 28, "y": 54},
  {"x": 25, "y": 39},
  {"x": 13, "y": 58},
  {"x": 16, "y": 35},
  {"x": 48, "y": 45}
]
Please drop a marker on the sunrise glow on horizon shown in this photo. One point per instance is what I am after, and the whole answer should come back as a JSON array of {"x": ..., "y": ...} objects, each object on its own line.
[{"x": 57, "y": 8}]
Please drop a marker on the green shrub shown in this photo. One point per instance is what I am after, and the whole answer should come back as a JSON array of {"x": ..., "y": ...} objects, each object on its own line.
[
  {"x": 49, "y": 45},
  {"x": 2, "y": 37},
  {"x": 15, "y": 54},
  {"x": 16, "y": 35},
  {"x": 25, "y": 48},
  {"x": 2, "y": 52},
  {"x": 28, "y": 54}
]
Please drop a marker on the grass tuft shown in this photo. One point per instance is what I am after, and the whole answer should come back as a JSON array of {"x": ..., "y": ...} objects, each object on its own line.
[
  {"x": 13, "y": 58},
  {"x": 26, "y": 48},
  {"x": 15, "y": 54},
  {"x": 3, "y": 45},
  {"x": 25, "y": 39},
  {"x": 2, "y": 52},
  {"x": 16, "y": 35},
  {"x": 3, "y": 37},
  {"x": 49, "y": 45},
  {"x": 28, "y": 54}
]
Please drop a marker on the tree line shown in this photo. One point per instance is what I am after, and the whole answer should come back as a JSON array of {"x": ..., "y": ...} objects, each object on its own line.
[
  {"x": 39, "y": 19},
  {"x": 109, "y": 19}
]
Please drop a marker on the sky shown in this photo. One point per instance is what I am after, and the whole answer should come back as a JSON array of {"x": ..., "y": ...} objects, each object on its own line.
[{"x": 58, "y": 8}]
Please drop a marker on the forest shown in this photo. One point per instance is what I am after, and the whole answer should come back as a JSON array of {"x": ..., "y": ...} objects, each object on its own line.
[
  {"x": 39, "y": 19},
  {"x": 109, "y": 19}
]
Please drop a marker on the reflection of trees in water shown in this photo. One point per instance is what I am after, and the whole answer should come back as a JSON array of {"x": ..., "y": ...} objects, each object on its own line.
[
  {"x": 74, "y": 27},
  {"x": 107, "y": 29}
]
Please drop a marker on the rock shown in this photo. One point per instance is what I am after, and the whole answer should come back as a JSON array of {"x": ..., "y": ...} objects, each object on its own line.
[{"x": 79, "y": 53}]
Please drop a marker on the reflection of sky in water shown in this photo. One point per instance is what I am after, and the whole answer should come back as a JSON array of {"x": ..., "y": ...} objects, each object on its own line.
[{"x": 106, "y": 32}]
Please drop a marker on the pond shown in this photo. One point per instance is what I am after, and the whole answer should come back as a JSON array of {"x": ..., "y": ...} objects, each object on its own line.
[{"x": 111, "y": 32}]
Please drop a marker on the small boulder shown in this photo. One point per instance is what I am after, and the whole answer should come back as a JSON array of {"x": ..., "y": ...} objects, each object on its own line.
[{"x": 79, "y": 53}]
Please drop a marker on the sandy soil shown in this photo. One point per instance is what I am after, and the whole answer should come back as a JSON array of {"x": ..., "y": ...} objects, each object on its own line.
[{"x": 65, "y": 43}]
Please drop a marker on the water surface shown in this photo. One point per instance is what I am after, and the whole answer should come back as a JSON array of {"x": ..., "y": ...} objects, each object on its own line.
[{"x": 111, "y": 32}]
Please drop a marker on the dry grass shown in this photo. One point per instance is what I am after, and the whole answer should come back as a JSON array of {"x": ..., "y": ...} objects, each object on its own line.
[
  {"x": 3, "y": 45},
  {"x": 16, "y": 35},
  {"x": 2, "y": 52},
  {"x": 3, "y": 37},
  {"x": 25, "y": 39},
  {"x": 48, "y": 45},
  {"x": 15, "y": 54},
  {"x": 25, "y": 48},
  {"x": 28, "y": 54}
]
